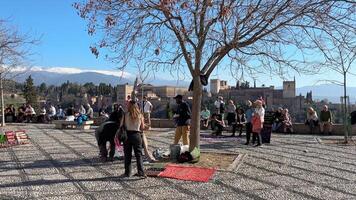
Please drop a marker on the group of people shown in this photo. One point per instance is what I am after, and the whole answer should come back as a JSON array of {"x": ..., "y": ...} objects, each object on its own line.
[
  {"x": 237, "y": 118},
  {"x": 325, "y": 119},
  {"x": 27, "y": 114}
]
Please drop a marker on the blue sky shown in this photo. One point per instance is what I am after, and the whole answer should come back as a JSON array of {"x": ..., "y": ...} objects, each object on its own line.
[{"x": 65, "y": 42}]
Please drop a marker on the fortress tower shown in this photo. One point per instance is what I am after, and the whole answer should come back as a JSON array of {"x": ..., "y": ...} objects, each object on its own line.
[{"x": 289, "y": 89}]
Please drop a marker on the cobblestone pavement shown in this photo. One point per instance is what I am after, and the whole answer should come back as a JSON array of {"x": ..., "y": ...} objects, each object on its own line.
[{"x": 63, "y": 164}]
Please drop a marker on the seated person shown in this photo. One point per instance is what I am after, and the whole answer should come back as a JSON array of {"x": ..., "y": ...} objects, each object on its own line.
[
  {"x": 287, "y": 121},
  {"x": 217, "y": 124},
  {"x": 10, "y": 113},
  {"x": 51, "y": 112},
  {"x": 60, "y": 113},
  {"x": 41, "y": 118},
  {"x": 90, "y": 112},
  {"x": 278, "y": 120},
  {"x": 240, "y": 122},
  {"x": 205, "y": 115},
  {"x": 20, "y": 115},
  {"x": 70, "y": 113},
  {"x": 312, "y": 119},
  {"x": 325, "y": 120},
  {"x": 29, "y": 113}
]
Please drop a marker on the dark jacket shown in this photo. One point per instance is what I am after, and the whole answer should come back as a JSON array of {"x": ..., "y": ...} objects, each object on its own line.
[
  {"x": 106, "y": 132},
  {"x": 116, "y": 115},
  {"x": 242, "y": 120},
  {"x": 183, "y": 110}
]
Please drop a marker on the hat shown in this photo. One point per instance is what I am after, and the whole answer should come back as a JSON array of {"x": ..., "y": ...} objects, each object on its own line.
[{"x": 178, "y": 97}]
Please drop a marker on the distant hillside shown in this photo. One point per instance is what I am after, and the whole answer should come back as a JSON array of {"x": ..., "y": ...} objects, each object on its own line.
[
  {"x": 328, "y": 91},
  {"x": 52, "y": 78}
]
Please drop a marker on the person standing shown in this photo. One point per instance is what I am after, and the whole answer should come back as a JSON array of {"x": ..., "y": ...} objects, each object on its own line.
[
  {"x": 182, "y": 116},
  {"x": 248, "y": 115},
  {"x": 106, "y": 133},
  {"x": 325, "y": 120},
  {"x": 240, "y": 121},
  {"x": 257, "y": 122},
  {"x": 134, "y": 123},
  {"x": 147, "y": 109},
  {"x": 231, "y": 114}
]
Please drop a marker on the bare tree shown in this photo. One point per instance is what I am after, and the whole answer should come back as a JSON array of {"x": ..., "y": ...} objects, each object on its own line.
[
  {"x": 270, "y": 36},
  {"x": 14, "y": 52},
  {"x": 340, "y": 55}
]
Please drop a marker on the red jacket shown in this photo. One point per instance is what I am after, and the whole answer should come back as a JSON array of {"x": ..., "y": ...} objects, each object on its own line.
[{"x": 256, "y": 124}]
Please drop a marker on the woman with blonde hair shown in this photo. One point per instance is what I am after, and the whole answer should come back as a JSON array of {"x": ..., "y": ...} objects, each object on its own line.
[
  {"x": 134, "y": 123},
  {"x": 312, "y": 119}
]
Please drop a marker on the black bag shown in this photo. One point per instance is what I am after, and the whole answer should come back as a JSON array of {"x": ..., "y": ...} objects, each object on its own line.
[
  {"x": 185, "y": 157},
  {"x": 266, "y": 134},
  {"x": 121, "y": 133}
]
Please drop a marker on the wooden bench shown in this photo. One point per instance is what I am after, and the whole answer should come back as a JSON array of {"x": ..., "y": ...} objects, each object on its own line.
[{"x": 63, "y": 124}]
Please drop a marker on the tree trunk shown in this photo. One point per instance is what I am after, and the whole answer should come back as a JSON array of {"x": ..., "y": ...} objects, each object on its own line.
[
  {"x": 2, "y": 102},
  {"x": 195, "y": 121},
  {"x": 345, "y": 112}
]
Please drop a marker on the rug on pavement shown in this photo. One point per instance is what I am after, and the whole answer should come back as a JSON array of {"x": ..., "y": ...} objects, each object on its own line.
[
  {"x": 12, "y": 138},
  {"x": 188, "y": 173}
]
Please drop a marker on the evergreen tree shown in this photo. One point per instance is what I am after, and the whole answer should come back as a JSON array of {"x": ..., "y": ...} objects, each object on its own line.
[
  {"x": 29, "y": 91},
  {"x": 42, "y": 89}
]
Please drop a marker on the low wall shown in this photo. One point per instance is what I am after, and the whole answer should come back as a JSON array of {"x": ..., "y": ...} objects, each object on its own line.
[
  {"x": 299, "y": 128},
  {"x": 337, "y": 129},
  {"x": 162, "y": 123}
]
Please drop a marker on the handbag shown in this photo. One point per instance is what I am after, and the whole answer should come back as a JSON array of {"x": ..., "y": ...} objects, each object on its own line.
[{"x": 121, "y": 133}]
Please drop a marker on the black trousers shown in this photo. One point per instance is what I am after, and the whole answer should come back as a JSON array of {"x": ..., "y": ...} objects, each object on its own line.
[
  {"x": 134, "y": 141},
  {"x": 248, "y": 131},
  {"x": 238, "y": 127}
]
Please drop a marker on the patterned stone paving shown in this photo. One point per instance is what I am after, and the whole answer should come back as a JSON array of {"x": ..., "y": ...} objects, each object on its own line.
[{"x": 63, "y": 164}]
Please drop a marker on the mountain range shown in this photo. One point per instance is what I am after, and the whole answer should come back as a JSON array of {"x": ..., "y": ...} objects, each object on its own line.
[
  {"x": 328, "y": 91},
  {"x": 57, "y": 76}
]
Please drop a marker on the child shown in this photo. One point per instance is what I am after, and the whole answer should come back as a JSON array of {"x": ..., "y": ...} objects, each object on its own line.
[{"x": 257, "y": 122}]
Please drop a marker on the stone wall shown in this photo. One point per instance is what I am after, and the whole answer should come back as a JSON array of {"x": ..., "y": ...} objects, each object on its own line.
[{"x": 299, "y": 128}]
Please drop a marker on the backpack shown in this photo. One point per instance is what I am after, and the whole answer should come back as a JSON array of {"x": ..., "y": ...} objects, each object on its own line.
[{"x": 185, "y": 157}]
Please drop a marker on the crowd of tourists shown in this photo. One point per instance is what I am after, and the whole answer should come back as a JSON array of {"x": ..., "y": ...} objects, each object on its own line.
[
  {"x": 252, "y": 117},
  {"x": 27, "y": 114},
  {"x": 134, "y": 118}
]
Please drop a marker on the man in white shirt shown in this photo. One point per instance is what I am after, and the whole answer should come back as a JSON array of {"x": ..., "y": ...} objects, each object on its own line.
[
  {"x": 147, "y": 109},
  {"x": 51, "y": 112},
  {"x": 90, "y": 112}
]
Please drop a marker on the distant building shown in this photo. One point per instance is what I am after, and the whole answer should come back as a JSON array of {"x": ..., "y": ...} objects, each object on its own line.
[
  {"x": 169, "y": 91},
  {"x": 273, "y": 98},
  {"x": 122, "y": 92},
  {"x": 289, "y": 89},
  {"x": 216, "y": 85}
]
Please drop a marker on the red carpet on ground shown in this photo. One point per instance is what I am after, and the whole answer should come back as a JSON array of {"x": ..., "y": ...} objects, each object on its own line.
[{"x": 188, "y": 173}]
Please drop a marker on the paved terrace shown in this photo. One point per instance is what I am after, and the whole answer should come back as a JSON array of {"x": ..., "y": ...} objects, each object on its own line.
[{"x": 62, "y": 164}]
